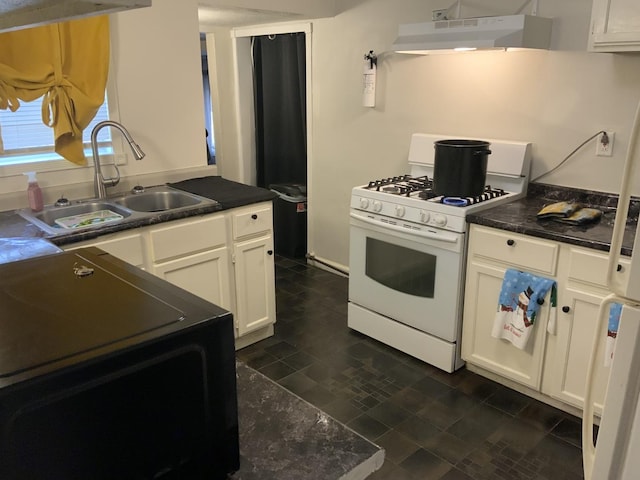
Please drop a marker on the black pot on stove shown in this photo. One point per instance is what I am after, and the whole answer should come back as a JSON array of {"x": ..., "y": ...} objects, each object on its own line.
[{"x": 460, "y": 167}]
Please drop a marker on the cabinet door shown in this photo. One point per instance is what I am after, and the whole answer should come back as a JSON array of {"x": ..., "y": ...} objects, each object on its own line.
[
  {"x": 255, "y": 284},
  {"x": 568, "y": 353},
  {"x": 483, "y": 285},
  {"x": 124, "y": 246},
  {"x": 615, "y": 26},
  {"x": 205, "y": 274}
]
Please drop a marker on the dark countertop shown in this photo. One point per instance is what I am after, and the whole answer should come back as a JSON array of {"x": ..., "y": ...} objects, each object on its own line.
[
  {"x": 520, "y": 216},
  {"x": 282, "y": 437},
  {"x": 229, "y": 194}
]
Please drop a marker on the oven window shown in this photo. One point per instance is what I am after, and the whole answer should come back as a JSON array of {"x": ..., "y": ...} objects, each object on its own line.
[{"x": 400, "y": 268}]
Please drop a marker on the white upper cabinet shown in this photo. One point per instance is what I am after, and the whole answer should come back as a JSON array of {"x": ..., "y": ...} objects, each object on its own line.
[
  {"x": 16, "y": 14},
  {"x": 615, "y": 26}
]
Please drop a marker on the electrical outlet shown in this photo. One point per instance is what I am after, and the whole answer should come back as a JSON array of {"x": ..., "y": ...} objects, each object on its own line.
[
  {"x": 439, "y": 15},
  {"x": 604, "y": 144}
]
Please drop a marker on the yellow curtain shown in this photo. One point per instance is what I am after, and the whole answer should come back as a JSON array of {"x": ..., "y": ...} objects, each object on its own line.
[{"x": 66, "y": 62}]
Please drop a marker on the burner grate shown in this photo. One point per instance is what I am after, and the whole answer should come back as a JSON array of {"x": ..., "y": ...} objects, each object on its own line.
[
  {"x": 401, "y": 185},
  {"x": 488, "y": 194}
]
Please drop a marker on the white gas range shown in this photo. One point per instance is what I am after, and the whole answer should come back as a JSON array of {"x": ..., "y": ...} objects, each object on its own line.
[{"x": 408, "y": 248}]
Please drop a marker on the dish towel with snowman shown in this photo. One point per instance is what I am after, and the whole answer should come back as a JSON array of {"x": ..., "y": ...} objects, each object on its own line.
[
  {"x": 521, "y": 295},
  {"x": 612, "y": 332}
]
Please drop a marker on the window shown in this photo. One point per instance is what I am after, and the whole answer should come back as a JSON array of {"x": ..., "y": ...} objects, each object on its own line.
[
  {"x": 24, "y": 139},
  {"x": 208, "y": 102}
]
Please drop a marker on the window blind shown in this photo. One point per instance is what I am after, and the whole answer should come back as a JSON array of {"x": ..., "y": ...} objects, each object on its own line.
[{"x": 22, "y": 131}]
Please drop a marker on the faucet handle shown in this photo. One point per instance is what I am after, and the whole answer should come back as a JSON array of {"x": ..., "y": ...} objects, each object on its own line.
[
  {"x": 62, "y": 201},
  {"x": 112, "y": 181}
]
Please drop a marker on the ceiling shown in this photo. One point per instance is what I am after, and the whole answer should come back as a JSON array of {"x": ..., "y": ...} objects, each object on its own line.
[
  {"x": 238, "y": 16},
  {"x": 238, "y": 13}
]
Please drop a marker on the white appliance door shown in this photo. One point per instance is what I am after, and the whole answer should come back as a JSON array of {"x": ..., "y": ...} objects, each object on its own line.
[
  {"x": 617, "y": 455},
  {"x": 414, "y": 280}
]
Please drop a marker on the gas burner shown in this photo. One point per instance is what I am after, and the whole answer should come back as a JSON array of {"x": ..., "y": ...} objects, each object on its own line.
[
  {"x": 376, "y": 184},
  {"x": 488, "y": 194},
  {"x": 455, "y": 201},
  {"x": 401, "y": 185},
  {"x": 394, "y": 189}
]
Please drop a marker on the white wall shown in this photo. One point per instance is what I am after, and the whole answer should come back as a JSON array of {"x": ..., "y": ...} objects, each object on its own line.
[
  {"x": 156, "y": 63},
  {"x": 555, "y": 99}
]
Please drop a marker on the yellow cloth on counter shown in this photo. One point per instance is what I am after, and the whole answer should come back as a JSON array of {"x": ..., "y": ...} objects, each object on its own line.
[
  {"x": 559, "y": 209},
  {"x": 68, "y": 63}
]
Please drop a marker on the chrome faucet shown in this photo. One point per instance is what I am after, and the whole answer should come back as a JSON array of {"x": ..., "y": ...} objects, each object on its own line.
[{"x": 99, "y": 182}]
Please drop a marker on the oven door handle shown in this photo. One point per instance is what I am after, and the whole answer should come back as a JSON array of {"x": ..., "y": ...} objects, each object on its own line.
[{"x": 432, "y": 236}]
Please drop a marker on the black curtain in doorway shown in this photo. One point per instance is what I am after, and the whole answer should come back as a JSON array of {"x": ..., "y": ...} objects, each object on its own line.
[{"x": 280, "y": 108}]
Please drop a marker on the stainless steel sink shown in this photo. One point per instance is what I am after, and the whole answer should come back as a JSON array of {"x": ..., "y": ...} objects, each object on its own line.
[
  {"x": 100, "y": 213},
  {"x": 81, "y": 215},
  {"x": 159, "y": 200}
]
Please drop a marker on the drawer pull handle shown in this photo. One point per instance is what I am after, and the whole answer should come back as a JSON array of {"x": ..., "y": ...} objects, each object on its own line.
[
  {"x": 269, "y": 252},
  {"x": 540, "y": 301},
  {"x": 566, "y": 309},
  {"x": 254, "y": 216},
  {"x": 619, "y": 269},
  {"x": 511, "y": 242}
]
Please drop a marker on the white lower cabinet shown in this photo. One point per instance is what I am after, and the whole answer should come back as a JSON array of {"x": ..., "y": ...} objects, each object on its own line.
[
  {"x": 255, "y": 288},
  {"x": 254, "y": 267},
  {"x": 224, "y": 257},
  {"x": 193, "y": 255},
  {"x": 480, "y": 348},
  {"x": 553, "y": 365},
  {"x": 569, "y": 350}
]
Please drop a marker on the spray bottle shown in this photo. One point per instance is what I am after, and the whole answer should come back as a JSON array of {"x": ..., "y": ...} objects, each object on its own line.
[{"x": 34, "y": 193}]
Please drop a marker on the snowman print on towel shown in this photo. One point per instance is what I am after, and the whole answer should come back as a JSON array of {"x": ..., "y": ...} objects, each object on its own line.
[{"x": 521, "y": 319}]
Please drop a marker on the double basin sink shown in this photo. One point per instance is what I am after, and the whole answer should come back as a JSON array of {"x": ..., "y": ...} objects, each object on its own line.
[{"x": 99, "y": 213}]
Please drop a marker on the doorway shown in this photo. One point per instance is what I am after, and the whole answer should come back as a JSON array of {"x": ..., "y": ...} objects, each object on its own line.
[
  {"x": 279, "y": 86},
  {"x": 273, "y": 104}
]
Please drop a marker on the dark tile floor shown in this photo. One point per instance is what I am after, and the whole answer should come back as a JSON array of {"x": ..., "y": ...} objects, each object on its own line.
[{"x": 433, "y": 425}]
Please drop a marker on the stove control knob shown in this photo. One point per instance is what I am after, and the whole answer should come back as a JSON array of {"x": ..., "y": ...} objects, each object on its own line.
[
  {"x": 377, "y": 206},
  {"x": 424, "y": 216},
  {"x": 399, "y": 211},
  {"x": 439, "y": 220},
  {"x": 364, "y": 203}
]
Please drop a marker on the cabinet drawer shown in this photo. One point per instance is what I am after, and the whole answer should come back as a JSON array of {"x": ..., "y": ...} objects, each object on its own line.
[
  {"x": 517, "y": 250},
  {"x": 251, "y": 221},
  {"x": 190, "y": 236},
  {"x": 591, "y": 267},
  {"x": 129, "y": 248}
]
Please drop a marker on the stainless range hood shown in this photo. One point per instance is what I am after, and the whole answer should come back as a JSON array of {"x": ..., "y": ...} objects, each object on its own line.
[
  {"x": 482, "y": 33},
  {"x": 17, "y": 14}
]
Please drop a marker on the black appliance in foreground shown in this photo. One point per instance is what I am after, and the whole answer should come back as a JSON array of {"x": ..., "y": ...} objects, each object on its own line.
[{"x": 107, "y": 372}]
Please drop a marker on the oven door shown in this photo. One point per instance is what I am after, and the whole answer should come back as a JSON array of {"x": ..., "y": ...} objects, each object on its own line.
[{"x": 413, "y": 276}]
